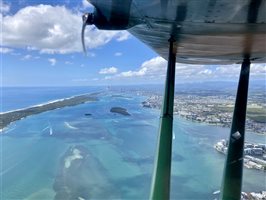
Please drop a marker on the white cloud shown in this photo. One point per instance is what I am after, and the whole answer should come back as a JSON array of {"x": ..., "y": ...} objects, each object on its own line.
[
  {"x": 52, "y": 61},
  {"x": 151, "y": 67},
  {"x": 124, "y": 36},
  {"x": 26, "y": 57},
  {"x": 258, "y": 70},
  {"x": 90, "y": 54},
  {"x": 52, "y": 29},
  {"x": 4, "y": 7},
  {"x": 111, "y": 70},
  {"x": 206, "y": 71},
  {"x": 86, "y": 4},
  {"x": 118, "y": 54},
  {"x": 228, "y": 69},
  {"x": 133, "y": 73},
  {"x": 4, "y": 50},
  {"x": 154, "y": 70}
]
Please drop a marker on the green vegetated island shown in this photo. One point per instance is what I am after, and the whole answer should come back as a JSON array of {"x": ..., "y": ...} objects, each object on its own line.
[
  {"x": 119, "y": 110},
  {"x": 8, "y": 117}
]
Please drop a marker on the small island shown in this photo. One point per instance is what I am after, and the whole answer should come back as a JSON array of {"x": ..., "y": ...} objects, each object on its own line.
[
  {"x": 8, "y": 117},
  {"x": 119, "y": 110}
]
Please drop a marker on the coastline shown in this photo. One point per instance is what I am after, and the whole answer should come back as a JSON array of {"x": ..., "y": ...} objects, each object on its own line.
[
  {"x": 200, "y": 115},
  {"x": 6, "y": 118},
  {"x": 48, "y": 102},
  {"x": 210, "y": 124},
  {"x": 220, "y": 125}
]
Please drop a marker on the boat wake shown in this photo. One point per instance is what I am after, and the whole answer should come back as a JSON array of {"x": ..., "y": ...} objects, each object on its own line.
[
  {"x": 70, "y": 126},
  {"x": 216, "y": 192},
  {"x": 45, "y": 128},
  {"x": 51, "y": 130},
  {"x": 8, "y": 169}
]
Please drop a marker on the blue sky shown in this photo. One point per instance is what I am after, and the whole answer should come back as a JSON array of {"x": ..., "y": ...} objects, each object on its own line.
[{"x": 40, "y": 46}]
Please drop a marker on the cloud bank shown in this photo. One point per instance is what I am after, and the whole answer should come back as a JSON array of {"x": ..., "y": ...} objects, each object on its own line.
[
  {"x": 111, "y": 70},
  {"x": 154, "y": 70},
  {"x": 52, "y": 29}
]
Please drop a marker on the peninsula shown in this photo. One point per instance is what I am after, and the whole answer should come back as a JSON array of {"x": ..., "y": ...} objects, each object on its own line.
[{"x": 8, "y": 117}]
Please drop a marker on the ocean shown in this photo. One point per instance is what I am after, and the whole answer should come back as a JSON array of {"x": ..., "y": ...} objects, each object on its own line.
[{"x": 65, "y": 154}]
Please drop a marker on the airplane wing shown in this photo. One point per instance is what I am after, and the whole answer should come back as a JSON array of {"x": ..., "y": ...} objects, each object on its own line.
[{"x": 207, "y": 31}]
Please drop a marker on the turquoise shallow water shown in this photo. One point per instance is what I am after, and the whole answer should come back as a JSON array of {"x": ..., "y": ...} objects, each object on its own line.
[{"x": 64, "y": 154}]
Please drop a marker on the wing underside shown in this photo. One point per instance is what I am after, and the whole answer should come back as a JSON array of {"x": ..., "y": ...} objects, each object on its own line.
[{"x": 207, "y": 31}]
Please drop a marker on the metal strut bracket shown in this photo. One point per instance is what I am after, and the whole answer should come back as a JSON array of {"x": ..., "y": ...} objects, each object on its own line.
[
  {"x": 160, "y": 188},
  {"x": 233, "y": 170}
]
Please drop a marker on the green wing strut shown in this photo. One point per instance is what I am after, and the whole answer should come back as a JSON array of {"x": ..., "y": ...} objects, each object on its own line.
[
  {"x": 160, "y": 189},
  {"x": 233, "y": 170}
]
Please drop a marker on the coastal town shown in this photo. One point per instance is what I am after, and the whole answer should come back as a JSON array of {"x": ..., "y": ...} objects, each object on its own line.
[
  {"x": 253, "y": 195},
  {"x": 247, "y": 195},
  {"x": 214, "y": 109},
  {"x": 254, "y": 154}
]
